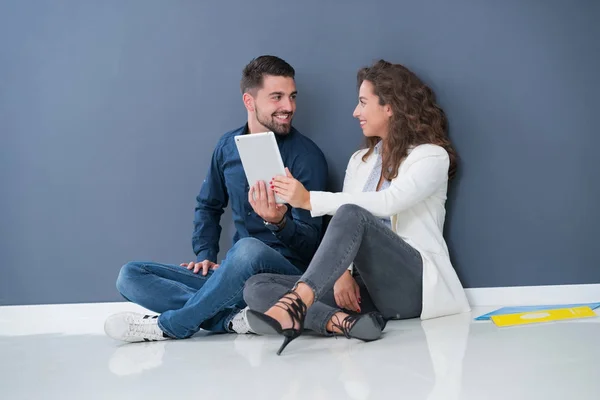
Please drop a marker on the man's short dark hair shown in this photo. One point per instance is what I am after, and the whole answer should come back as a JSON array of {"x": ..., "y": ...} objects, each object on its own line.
[{"x": 255, "y": 71}]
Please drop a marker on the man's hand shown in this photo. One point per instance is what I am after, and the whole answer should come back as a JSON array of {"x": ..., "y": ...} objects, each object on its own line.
[
  {"x": 205, "y": 266},
  {"x": 347, "y": 292},
  {"x": 264, "y": 205}
]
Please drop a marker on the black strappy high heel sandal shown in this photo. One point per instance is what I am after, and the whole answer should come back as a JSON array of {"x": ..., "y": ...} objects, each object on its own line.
[
  {"x": 296, "y": 309},
  {"x": 366, "y": 327}
]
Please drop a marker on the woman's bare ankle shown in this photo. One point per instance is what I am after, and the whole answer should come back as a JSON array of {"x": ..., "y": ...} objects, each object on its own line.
[
  {"x": 335, "y": 319},
  {"x": 306, "y": 293},
  {"x": 281, "y": 316}
]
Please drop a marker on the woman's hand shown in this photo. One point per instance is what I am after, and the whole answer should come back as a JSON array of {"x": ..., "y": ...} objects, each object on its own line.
[
  {"x": 347, "y": 292},
  {"x": 291, "y": 191}
]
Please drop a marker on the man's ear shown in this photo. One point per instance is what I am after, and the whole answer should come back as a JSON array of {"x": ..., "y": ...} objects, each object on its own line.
[{"x": 248, "y": 101}]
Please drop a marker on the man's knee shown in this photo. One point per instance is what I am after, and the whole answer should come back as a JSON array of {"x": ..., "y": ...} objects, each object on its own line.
[
  {"x": 127, "y": 277},
  {"x": 247, "y": 253},
  {"x": 248, "y": 247}
]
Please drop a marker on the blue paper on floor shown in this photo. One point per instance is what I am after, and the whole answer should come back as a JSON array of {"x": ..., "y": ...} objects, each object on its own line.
[{"x": 520, "y": 309}]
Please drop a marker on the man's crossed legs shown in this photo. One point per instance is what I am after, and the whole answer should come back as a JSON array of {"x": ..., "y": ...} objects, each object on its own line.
[{"x": 188, "y": 302}]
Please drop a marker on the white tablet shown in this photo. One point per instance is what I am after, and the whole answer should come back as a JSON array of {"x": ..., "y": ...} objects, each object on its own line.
[{"x": 260, "y": 158}]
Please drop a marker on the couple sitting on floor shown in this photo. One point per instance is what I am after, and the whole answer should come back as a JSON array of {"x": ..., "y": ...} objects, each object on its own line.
[{"x": 382, "y": 257}]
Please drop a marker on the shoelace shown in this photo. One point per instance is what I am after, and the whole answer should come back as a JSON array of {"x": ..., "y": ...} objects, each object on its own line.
[
  {"x": 295, "y": 308},
  {"x": 346, "y": 324},
  {"x": 146, "y": 326},
  {"x": 240, "y": 325}
]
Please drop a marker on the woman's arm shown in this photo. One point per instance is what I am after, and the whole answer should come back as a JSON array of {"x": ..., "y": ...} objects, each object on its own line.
[{"x": 428, "y": 170}]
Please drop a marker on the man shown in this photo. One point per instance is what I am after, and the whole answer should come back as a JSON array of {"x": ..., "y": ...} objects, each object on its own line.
[{"x": 268, "y": 238}]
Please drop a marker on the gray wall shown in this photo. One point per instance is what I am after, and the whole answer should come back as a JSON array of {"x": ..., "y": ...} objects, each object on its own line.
[{"x": 109, "y": 111}]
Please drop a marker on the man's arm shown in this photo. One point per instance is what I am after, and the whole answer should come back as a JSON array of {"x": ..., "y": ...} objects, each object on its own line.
[
  {"x": 302, "y": 232},
  {"x": 210, "y": 204}
]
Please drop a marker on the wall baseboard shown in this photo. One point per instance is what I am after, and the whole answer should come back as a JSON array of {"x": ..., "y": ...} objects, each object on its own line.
[
  {"x": 478, "y": 297},
  {"x": 88, "y": 318},
  {"x": 533, "y": 295}
]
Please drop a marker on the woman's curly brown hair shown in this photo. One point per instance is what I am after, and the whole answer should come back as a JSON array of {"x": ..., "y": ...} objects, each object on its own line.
[{"x": 417, "y": 118}]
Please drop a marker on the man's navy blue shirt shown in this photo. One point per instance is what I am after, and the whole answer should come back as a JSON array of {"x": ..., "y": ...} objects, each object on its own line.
[{"x": 226, "y": 183}]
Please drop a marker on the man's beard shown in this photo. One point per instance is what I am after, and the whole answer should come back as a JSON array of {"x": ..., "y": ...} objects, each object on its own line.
[{"x": 273, "y": 125}]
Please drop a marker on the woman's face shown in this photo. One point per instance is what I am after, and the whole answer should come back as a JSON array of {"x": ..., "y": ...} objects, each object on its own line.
[{"x": 374, "y": 118}]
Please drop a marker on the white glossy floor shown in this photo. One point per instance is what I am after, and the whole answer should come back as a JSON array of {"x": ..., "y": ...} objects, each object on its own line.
[{"x": 60, "y": 352}]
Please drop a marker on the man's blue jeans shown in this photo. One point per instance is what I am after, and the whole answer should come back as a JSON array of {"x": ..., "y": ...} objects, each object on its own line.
[{"x": 188, "y": 301}]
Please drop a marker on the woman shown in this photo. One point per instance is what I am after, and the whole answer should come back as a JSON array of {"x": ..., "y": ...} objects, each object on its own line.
[{"x": 387, "y": 222}]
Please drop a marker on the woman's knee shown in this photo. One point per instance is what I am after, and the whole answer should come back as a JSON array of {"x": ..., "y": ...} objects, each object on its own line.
[{"x": 350, "y": 214}]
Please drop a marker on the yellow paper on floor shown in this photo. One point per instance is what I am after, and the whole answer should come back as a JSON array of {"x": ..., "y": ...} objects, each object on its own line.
[{"x": 534, "y": 317}]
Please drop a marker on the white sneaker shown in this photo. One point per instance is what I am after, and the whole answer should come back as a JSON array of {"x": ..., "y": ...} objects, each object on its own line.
[
  {"x": 239, "y": 323},
  {"x": 134, "y": 327}
]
